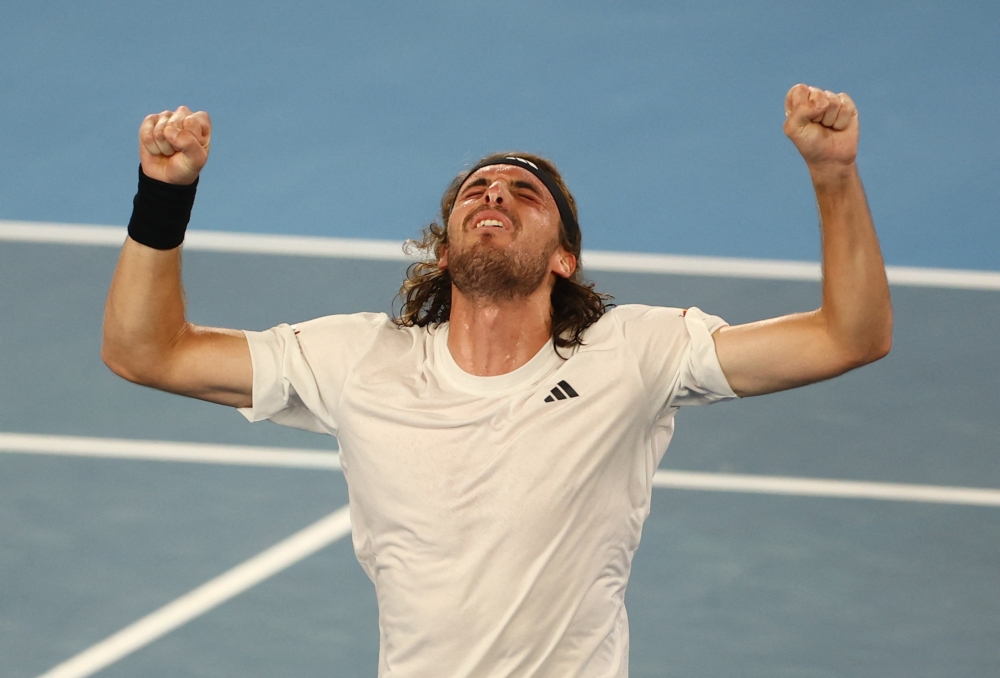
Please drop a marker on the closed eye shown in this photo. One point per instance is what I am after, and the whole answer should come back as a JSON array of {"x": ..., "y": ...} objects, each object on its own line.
[
  {"x": 474, "y": 189},
  {"x": 526, "y": 189}
]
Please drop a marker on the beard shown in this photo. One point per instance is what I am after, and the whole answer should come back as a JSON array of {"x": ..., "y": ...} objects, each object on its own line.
[{"x": 487, "y": 273}]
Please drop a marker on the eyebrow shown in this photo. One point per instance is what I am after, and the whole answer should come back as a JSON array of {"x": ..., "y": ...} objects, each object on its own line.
[
  {"x": 517, "y": 183},
  {"x": 528, "y": 185},
  {"x": 478, "y": 182}
]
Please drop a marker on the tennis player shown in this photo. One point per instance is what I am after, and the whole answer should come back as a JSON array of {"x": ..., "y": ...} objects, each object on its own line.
[{"x": 499, "y": 437}]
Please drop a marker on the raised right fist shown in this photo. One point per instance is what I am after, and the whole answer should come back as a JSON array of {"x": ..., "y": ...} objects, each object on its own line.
[{"x": 173, "y": 145}]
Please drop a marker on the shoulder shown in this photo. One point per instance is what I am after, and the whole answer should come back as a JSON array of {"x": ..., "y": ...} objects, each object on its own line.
[
  {"x": 663, "y": 318},
  {"x": 635, "y": 319},
  {"x": 655, "y": 329},
  {"x": 334, "y": 324},
  {"x": 359, "y": 329},
  {"x": 641, "y": 313},
  {"x": 631, "y": 323}
]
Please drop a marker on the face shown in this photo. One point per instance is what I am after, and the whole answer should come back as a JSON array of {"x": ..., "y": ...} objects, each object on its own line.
[{"x": 503, "y": 234}]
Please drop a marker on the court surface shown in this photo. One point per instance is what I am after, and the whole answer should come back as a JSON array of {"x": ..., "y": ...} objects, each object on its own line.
[{"x": 99, "y": 528}]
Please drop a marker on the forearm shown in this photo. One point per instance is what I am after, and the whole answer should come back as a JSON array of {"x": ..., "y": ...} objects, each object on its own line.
[{"x": 856, "y": 310}]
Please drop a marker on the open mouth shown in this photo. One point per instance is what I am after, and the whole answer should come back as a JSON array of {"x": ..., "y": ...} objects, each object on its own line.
[{"x": 489, "y": 223}]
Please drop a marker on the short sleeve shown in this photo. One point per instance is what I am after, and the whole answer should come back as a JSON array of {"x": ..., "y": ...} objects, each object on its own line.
[
  {"x": 299, "y": 371},
  {"x": 701, "y": 380},
  {"x": 676, "y": 354}
]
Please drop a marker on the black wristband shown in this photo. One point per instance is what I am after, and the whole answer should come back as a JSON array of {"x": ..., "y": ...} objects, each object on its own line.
[{"x": 160, "y": 213}]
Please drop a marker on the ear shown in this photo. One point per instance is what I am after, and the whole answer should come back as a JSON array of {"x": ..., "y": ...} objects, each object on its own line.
[
  {"x": 443, "y": 259},
  {"x": 563, "y": 263}
]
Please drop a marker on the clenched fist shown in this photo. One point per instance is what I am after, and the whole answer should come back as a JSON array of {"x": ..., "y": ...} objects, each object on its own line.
[
  {"x": 822, "y": 125},
  {"x": 173, "y": 145}
]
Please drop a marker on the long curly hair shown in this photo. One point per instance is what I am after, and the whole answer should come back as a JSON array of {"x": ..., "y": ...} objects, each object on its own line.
[{"x": 426, "y": 292}]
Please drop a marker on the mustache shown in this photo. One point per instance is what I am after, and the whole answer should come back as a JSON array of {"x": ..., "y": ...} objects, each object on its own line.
[{"x": 471, "y": 218}]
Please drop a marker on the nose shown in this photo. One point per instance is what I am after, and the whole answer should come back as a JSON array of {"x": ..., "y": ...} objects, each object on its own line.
[{"x": 495, "y": 193}]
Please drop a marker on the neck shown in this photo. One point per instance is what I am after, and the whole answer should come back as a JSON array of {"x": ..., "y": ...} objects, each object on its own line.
[{"x": 489, "y": 338}]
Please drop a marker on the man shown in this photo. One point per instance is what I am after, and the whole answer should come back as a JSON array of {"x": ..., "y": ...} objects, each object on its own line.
[{"x": 500, "y": 437}]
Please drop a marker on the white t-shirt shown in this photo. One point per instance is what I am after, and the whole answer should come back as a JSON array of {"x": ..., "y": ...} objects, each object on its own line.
[{"x": 497, "y": 516}]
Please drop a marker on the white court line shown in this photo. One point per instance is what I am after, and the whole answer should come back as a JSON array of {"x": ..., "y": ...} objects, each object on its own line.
[
  {"x": 213, "y": 241},
  {"x": 155, "y": 450},
  {"x": 392, "y": 250},
  {"x": 816, "y": 487},
  {"x": 117, "y": 448},
  {"x": 209, "y": 595}
]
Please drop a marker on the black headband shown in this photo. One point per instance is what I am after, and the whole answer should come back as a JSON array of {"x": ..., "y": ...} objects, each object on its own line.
[{"x": 562, "y": 202}]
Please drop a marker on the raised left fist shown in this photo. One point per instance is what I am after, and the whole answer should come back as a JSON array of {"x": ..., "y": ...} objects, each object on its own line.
[{"x": 822, "y": 125}]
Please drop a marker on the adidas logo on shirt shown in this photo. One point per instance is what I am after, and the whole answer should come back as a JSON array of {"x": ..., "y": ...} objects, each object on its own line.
[{"x": 566, "y": 392}]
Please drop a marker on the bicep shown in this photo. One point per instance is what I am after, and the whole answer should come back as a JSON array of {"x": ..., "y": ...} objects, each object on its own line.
[
  {"x": 210, "y": 364},
  {"x": 779, "y": 354}
]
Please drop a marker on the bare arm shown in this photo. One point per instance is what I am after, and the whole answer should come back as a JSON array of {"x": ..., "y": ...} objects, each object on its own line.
[
  {"x": 147, "y": 338},
  {"x": 853, "y": 326}
]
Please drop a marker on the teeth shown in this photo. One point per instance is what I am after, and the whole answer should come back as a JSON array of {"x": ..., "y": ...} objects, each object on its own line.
[{"x": 489, "y": 222}]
